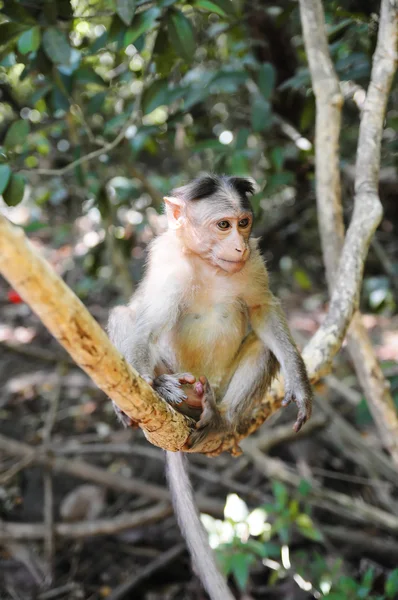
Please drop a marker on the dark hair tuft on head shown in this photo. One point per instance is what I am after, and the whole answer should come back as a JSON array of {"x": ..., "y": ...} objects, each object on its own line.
[
  {"x": 201, "y": 187},
  {"x": 241, "y": 185},
  {"x": 207, "y": 186}
]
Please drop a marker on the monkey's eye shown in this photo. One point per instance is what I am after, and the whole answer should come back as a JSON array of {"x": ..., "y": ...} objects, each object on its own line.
[
  {"x": 244, "y": 222},
  {"x": 223, "y": 225}
]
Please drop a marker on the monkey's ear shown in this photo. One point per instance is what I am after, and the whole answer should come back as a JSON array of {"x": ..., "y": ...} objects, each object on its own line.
[{"x": 173, "y": 211}]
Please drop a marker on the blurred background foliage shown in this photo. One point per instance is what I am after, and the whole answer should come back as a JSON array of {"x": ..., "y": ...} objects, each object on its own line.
[
  {"x": 160, "y": 91},
  {"x": 105, "y": 106}
]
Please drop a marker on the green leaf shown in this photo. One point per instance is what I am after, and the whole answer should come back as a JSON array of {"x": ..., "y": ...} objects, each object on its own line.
[
  {"x": 117, "y": 32},
  {"x": 277, "y": 158},
  {"x": 306, "y": 526},
  {"x": 392, "y": 584},
  {"x": 9, "y": 31},
  {"x": 240, "y": 567},
  {"x": 126, "y": 9},
  {"x": 227, "y": 81},
  {"x": 261, "y": 113},
  {"x": 56, "y": 46},
  {"x": 88, "y": 75},
  {"x": 155, "y": 95},
  {"x": 266, "y": 80},
  {"x": 95, "y": 103},
  {"x": 181, "y": 34},
  {"x": 15, "y": 12},
  {"x": 220, "y": 7},
  {"x": 40, "y": 93},
  {"x": 272, "y": 550},
  {"x": 281, "y": 494},
  {"x": 5, "y": 174},
  {"x": 302, "y": 279},
  {"x": 14, "y": 191},
  {"x": 29, "y": 41},
  {"x": 141, "y": 24},
  {"x": 16, "y": 134},
  {"x": 304, "y": 488}
]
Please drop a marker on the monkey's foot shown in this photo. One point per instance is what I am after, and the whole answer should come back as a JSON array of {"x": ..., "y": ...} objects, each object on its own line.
[
  {"x": 124, "y": 419},
  {"x": 303, "y": 399},
  {"x": 169, "y": 387}
]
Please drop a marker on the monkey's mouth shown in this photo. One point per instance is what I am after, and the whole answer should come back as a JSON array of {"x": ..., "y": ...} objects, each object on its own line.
[
  {"x": 233, "y": 262},
  {"x": 231, "y": 266}
]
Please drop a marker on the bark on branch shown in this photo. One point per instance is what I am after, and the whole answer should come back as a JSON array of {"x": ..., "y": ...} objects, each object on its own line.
[
  {"x": 344, "y": 276},
  {"x": 78, "y": 332}
]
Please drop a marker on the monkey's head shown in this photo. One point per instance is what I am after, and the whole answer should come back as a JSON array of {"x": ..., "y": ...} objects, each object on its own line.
[{"x": 213, "y": 217}]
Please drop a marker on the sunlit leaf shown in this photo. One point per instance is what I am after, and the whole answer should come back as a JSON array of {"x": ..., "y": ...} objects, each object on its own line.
[
  {"x": 16, "y": 133},
  {"x": 181, "y": 34},
  {"x": 5, "y": 173},
  {"x": 56, "y": 46},
  {"x": 126, "y": 9},
  {"x": 29, "y": 41},
  {"x": 302, "y": 279},
  {"x": 14, "y": 191}
]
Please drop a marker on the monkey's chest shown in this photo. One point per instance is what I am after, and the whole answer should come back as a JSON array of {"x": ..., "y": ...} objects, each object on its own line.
[{"x": 206, "y": 341}]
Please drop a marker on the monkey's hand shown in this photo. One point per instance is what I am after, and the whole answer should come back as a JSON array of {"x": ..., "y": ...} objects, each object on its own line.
[
  {"x": 299, "y": 392},
  {"x": 211, "y": 421}
]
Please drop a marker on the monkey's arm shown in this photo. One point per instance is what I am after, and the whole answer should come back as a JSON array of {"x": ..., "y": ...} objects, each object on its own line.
[
  {"x": 135, "y": 330},
  {"x": 270, "y": 325}
]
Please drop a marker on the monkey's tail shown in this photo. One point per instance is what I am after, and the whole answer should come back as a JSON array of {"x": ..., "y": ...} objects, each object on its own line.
[{"x": 192, "y": 529}]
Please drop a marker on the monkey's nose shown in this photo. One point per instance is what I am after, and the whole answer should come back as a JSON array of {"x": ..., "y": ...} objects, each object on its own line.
[{"x": 239, "y": 250}]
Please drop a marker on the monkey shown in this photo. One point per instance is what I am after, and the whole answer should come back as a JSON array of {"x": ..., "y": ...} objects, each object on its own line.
[{"x": 206, "y": 332}]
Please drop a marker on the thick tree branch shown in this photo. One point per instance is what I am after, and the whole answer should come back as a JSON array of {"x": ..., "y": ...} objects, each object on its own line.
[
  {"x": 344, "y": 278},
  {"x": 76, "y": 330}
]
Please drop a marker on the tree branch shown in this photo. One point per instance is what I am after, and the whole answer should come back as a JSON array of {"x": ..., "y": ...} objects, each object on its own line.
[
  {"x": 76, "y": 330},
  {"x": 345, "y": 277}
]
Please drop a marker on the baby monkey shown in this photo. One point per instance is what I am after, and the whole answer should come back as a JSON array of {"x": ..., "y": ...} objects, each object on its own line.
[{"x": 205, "y": 331}]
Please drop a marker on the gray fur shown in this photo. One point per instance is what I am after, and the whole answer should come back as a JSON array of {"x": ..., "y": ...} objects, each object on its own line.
[{"x": 192, "y": 528}]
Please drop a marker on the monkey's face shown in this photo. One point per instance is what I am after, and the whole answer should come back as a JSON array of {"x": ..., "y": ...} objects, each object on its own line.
[{"x": 220, "y": 239}]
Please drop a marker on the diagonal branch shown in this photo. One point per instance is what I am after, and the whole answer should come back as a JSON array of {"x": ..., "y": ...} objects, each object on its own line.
[{"x": 78, "y": 332}]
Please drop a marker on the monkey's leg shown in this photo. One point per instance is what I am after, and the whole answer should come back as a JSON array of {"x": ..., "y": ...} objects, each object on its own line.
[{"x": 250, "y": 376}]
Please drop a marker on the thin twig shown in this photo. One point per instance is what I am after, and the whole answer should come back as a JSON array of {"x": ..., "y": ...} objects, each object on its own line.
[
  {"x": 155, "y": 565},
  {"x": 83, "y": 529},
  {"x": 87, "y": 472},
  {"x": 355, "y": 508}
]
